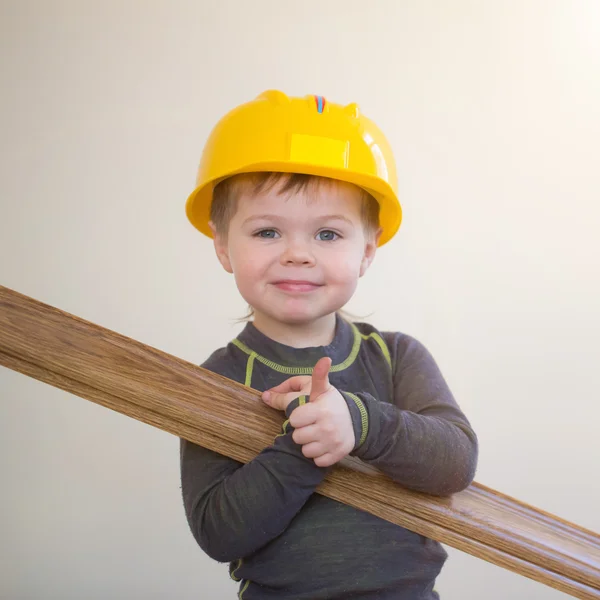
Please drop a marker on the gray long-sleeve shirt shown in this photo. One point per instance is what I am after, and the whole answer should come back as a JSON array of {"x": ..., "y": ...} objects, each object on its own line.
[{"x": 284, "y": 541}]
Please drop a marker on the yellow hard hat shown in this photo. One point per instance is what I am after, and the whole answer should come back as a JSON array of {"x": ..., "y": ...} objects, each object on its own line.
[{"x": 308, "y": 135}]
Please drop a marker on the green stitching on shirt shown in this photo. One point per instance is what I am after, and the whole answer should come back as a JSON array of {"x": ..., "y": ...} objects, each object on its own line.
[
  {"x": 364, "y": 418},
  {"x": 301, "y": 400},
  {"x": 382, "y": 345},
  {"x": 244, "y": 589},
  {"x": 304, "y": 370},
  {"x": 249, "y": 367},
  {"x": 308, "y": 370},
  {"x": 284, "y": 428},
  {"x": 232, "y": 572}
]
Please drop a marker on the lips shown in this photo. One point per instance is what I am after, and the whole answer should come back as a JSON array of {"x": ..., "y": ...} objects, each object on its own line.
[{"x": 293, "y": 285}]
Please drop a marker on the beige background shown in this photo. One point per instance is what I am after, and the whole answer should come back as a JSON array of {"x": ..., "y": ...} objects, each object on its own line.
[{"x": 493, "y": 110}]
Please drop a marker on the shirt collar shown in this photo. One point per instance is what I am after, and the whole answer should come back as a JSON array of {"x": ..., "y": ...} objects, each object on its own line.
[{"x": 342, "y": 350}]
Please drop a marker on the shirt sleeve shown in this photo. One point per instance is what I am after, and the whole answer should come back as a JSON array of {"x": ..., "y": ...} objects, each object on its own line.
[
  {"x": 233, "y": 509},
  {"x": 421, "y": 440}
]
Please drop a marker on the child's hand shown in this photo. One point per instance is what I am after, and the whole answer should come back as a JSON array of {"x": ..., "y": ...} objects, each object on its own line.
[
  {"x": 323, "y": 426},
  {"x": 280, "y": 396}
]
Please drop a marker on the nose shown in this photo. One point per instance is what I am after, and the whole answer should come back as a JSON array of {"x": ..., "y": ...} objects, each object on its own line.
[{"x": 297, "y": 253}]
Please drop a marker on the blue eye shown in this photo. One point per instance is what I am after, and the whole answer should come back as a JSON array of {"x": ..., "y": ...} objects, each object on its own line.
[
  {"x": 267, "y": 234},
  {"x": 327, "y": 235}
]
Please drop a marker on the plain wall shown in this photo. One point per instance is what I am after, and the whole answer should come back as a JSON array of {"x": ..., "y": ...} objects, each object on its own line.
[{"x": 493, "y": 111}]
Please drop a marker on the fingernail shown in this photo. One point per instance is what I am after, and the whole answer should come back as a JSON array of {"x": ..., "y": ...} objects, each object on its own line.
[{"x": 266, "y": 396}]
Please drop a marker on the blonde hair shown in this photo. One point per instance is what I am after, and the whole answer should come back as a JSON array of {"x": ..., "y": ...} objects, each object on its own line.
[{"x": 227, "y": 193}]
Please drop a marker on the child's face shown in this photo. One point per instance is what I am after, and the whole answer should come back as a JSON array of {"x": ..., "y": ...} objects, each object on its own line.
[{"x": 297, "y": 258}]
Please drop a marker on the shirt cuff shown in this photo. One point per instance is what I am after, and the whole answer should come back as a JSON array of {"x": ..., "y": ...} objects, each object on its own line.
[
  {"x": 360, "y": 418},
  {"x": 294, "y": 404}
]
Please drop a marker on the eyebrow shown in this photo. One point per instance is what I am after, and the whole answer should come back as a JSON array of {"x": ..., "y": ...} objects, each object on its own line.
[{"x": 267, "y": 217}]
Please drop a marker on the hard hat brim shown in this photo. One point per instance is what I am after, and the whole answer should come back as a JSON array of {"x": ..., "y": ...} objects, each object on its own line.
[{"x": 198, "y": 203}]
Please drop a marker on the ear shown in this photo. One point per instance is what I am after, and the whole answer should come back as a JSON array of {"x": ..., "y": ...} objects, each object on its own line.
[
  {"x": 221, "y": 248},
  {"x": 369, "y": 254}
]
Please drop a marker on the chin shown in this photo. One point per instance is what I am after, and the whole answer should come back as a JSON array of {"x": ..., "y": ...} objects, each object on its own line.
[
  {"x": 294, "y": 317},
  {"x": 301, "y": 316}
]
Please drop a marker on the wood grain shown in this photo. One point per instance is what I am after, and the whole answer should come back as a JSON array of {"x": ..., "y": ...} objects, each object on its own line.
[{"x": 185, "y": 400}]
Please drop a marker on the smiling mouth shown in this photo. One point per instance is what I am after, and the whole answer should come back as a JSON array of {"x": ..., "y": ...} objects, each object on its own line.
[{"x": 288, "y": 285}]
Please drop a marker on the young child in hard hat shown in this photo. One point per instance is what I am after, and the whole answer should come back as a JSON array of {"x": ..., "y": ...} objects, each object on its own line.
[{"x": 297, "y": 194}]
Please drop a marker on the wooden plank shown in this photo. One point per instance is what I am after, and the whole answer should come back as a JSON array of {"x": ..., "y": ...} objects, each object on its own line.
[{"x": 183, "y": 399}]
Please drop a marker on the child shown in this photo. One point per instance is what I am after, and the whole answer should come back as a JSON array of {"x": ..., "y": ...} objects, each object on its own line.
[{"x": 298, "y": 194}]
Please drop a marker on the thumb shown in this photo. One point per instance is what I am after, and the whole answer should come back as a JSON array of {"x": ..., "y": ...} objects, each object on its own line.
[{"x": 320, "y": 378}]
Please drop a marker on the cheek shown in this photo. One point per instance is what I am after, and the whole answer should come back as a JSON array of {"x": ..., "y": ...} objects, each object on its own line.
[
  {"x": 248, "y": 262},
  {"x": 344, "y": 266}
]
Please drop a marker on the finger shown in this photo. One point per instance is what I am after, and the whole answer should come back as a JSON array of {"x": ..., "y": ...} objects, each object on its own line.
[
  {"x": 314, "y": 450},
  {"x": 279, "y": 401},
  {"x": 293, "y": 384},
  {"x": 304, "y": 415},
  {"x": 325, "y": 460},
  {"x": 305, "y": 435},
  {"x": 320, "y": 378}
]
